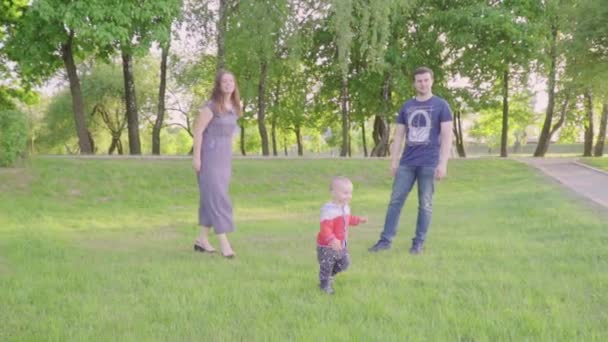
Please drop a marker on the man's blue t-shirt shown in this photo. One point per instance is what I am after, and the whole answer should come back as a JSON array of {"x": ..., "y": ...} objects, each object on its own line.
[{"x": 422, "y": 122}]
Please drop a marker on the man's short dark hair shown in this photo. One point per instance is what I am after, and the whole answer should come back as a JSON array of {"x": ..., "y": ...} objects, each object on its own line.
[{"x": 422, "y": 70}]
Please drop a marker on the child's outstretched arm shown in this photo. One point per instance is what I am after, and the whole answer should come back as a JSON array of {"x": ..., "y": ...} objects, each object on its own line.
[{"x": 356, "y": 220}]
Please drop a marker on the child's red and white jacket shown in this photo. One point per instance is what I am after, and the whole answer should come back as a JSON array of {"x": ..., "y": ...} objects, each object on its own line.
[{"x": 335, "y": 220}]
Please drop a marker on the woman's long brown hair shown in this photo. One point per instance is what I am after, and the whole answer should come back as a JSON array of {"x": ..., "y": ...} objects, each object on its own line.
[{"x": 217, "y": 97}]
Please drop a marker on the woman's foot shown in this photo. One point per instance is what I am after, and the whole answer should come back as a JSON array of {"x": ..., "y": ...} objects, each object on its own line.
[
  {"x": 203, "y": 246},
  {"x": 225, "y": 247},
  {"x": 202, "y": 241},
  {"x": 229, "y": 256},
  {"x": 227, "y": 252}
]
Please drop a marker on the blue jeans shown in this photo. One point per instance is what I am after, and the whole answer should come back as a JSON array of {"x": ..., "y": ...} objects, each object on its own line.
[{"x": 405, "y": 178}]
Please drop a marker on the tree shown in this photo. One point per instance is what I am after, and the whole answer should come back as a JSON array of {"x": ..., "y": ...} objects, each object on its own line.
[
  {"x": 11, "y": 13},
  {"x": 592, "y": 38},
  {"x": 490, "y": 42},
  {"x": 102, "y": 91},
  {"x": 587, "y": 68},
  {"x": 588, "y": 143},
  {"x": 45, "y": 40},
  {"x": 190, "y": 86},
  {"x": 162, "y": 89},
  {"x": 361, "y": 34},
  {"x": 555, "y": 26},
  {"x": 130, "y": 33},
  {"x": 601, "y": 137},
  {"x": 252, "y": 46}
]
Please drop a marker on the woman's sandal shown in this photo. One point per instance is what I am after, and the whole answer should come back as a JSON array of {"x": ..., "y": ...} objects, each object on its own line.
[{"x": 198, "y": 248}]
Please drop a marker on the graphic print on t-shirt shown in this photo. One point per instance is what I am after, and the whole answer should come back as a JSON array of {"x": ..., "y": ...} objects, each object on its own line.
[{"x": 419, "y": 126}]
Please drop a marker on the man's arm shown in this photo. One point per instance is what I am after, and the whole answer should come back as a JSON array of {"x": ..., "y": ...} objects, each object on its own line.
[
  {"x": 397, "y": 147},
  {"x": 444, "y": 149}
]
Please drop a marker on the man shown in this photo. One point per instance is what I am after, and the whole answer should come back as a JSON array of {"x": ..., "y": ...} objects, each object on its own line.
[{"x": 426, "y": 120}]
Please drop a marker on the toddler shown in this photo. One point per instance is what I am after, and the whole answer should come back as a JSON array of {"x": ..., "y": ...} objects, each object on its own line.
[{"x": 332, "y": 251}]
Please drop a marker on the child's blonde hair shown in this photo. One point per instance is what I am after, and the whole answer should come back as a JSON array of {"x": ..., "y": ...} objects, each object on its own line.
[{"x": 338, "y": 180}]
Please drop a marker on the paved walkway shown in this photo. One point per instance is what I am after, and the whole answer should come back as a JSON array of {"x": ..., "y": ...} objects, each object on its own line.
[{"x": 585, "y": 180}]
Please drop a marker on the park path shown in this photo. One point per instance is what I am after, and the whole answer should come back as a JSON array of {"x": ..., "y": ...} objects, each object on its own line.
[{"x": 585, "y": 180}]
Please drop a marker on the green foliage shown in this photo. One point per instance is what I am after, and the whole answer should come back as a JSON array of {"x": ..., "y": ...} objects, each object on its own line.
[
  {"x": 175, "y": 141},
  {"x": 251, "y": 42},
  {"x": 290, "y": 106},
  {"x": 9, "y": 96},
  {"x": 13, "y": 136},
  {"x": 572, "y": 130},
  {"x": 309, "y": 48},
  {"x": 11, "y": 90},
  {"x": 591, "y": 31},
  {"x": 57, "y": 128},
  {"x": 102, "y": 86},
  {"x": 36, "y": 41},
  {"x": 488, "y": 125},
  {"x": 253, "y": 142},
  {"x": 363, "y": 26},
  {"x": 587, "y": 51},
  {"x": 10, "y": 13}
]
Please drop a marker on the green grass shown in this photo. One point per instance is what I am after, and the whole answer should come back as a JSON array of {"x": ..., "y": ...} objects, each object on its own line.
[
  {"x": 598, "y": 162},
  {"x": 101, "y": 250}
]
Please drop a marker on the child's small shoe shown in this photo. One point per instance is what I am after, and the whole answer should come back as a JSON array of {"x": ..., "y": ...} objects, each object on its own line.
[
  {"x": 325, "y": 286},
  {"x": 328, "y": 290}
]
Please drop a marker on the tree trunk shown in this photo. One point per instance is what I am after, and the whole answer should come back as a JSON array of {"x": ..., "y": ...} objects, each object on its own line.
[
  {"x": 363, "y": 138},
  {"x": 380, "y": 136},
  {"x": 273, "y": 121},
  {"x": 242, "y": 142},
  {"x": 67, "y": 55},
  {"x": 588, "y": 125},
  {"x": 601, "y": 138},
  {"x": 91, "y": 140},
  {"x": 545, "y": 137},
  {"x": 285, "y": 144},
  {"x": 298, "y": 132},
  {"x": 221, "y": 33},
  {"x": 273, "y": 134},
  {"x": 344, "y": 150},
  {"x": 131, "y": 103},
  {"x": 381, "y": 131},
  {"x": 116, "y": 145},
  {"x": 350, "y": 140},
  {"x": 262, "y": 107},
  {"x": 114, "y": 126},
  {"x": 562, "y": 117},
  {"x": 160, "y": 114},
  {"x": 458, "y": 134},
  {"x": 505, "y": 114}
]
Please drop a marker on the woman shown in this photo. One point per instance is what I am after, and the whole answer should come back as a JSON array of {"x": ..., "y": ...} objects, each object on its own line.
[{"x": 212, "y": 161}]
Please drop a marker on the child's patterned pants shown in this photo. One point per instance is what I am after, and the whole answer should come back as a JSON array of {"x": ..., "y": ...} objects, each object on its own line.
[{"x": 331, "y": 262}]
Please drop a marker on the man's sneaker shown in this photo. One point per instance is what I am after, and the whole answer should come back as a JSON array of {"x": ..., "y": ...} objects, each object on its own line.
[
  {"x": 416, "y": 248},
  {"x": 379, "y": 246}
]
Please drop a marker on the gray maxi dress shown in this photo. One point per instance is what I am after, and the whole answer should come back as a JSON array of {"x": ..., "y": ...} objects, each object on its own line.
[{"x": 215, "y": 207}]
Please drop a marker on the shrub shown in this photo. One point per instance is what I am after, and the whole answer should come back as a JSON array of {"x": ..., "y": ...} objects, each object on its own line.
[{"x": 13, "y": 136}]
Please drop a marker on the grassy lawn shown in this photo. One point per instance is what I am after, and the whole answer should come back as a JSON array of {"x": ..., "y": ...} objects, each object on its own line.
[
  {"x": 101, "y": 250},
  {"x": 599, "y": 162}
]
